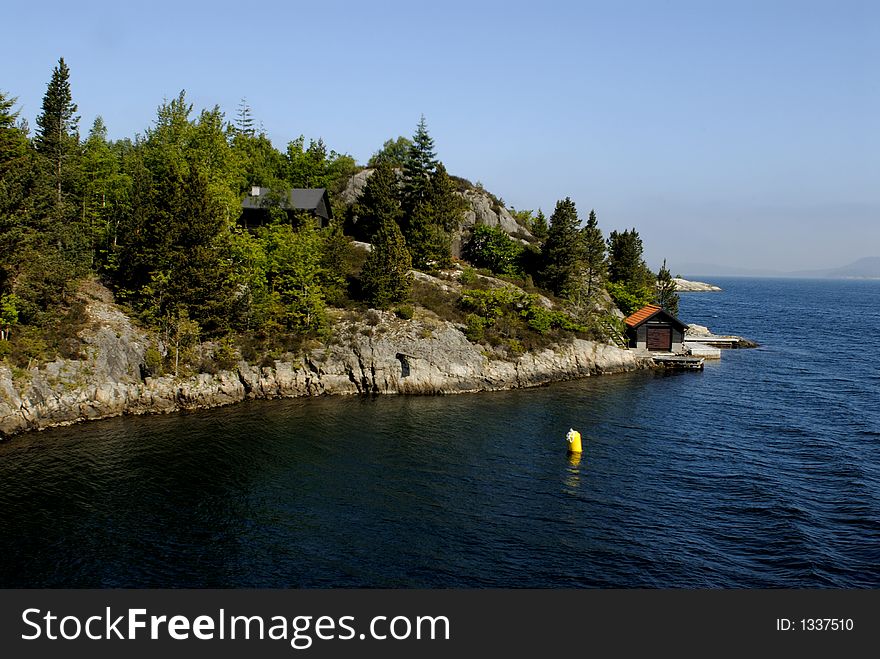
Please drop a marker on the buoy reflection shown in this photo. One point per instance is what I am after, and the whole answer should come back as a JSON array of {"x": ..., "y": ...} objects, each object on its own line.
[{"x": 573, "y": 475}]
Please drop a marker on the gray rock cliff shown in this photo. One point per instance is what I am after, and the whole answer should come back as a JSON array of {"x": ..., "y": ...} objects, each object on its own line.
[{"x": 392, "y": 356}]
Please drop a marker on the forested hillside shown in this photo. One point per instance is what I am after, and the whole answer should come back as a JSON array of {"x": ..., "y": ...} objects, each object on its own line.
[{"x": 156, "y": 218}]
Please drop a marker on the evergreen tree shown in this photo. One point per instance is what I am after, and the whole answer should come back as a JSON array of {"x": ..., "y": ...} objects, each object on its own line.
[
  {"x": 13, "y": 142},
  {"x": 385, "y": 277},
  {"x": 563, "y": 250},
  {"x": 244, "y": 120},
  {"x": 104, "y": 188},
  {"x": 377, "y": 202},
  {"x": 667, "y": 294},
  {"x": 593, "y": 257},
  {"x": 57, "y": 124},
  {"x": 539, "y": 226},
  {"x": 15, "y": 164},
  {"x": 418, "y": 167},
  {"x": 625, "y": 262},
  {"x": 630, "y": 282}
]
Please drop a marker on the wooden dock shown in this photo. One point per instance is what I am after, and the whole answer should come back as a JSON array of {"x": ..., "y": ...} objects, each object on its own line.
[{"x": 681, "y": 362}]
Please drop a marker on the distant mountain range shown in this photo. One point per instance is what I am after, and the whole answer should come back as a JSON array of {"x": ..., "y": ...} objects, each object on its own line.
[{"x": 864, "y": 268}]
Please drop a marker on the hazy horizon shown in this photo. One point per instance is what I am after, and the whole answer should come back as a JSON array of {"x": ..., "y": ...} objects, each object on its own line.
[{"x": 742, "y": 134}]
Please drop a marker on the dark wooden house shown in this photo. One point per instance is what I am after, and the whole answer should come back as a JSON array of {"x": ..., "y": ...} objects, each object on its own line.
[
  {"x": 256, "y": 204},
  {"x": 651, "y": 328}
]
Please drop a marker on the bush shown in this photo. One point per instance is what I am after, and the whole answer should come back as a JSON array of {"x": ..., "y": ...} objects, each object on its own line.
[
  {"x": 491, "y": 247},
  {"x": 405, "y": 312},
  {"x": 476, "y": 328},
  {"x": 225, "y": 356},
  {"x": 153, "y": 362}
]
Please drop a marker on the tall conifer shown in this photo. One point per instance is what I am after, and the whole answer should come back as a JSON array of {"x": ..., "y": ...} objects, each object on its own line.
[
  {"x": 57, "y": 124},
  {"x": 385, "y": 277},
  {"x": 563, "y": 249},
  {"x": 667, "y": 294},
  {"x": 593, "y": 256}
]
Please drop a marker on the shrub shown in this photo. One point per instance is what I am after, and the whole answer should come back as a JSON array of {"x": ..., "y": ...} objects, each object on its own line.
[
  {"x": 153, "y": 362},
  {"x": 405, "y": 312},
  {"x": 491, "y": 247}
]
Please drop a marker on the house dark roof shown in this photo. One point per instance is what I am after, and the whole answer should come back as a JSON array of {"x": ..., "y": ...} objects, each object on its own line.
[
  {"x": 301, "y": 199},
  {"x": 645, "y": 314}
]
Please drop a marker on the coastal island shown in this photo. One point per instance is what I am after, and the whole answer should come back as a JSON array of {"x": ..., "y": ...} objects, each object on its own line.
[
  {"x": 198, "y": 266},
  {"x": 685, "y": 286}
]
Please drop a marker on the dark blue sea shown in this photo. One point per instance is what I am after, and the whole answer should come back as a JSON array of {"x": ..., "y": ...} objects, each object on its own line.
[{"x": 761, "y": 471}]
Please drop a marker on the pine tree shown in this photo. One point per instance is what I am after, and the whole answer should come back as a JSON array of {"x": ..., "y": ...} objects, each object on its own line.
[
  {"x": 100, "y": 180},
  {"x": 385, "y": 277},
  {"x": 377, "y": 202},
  {"x": 563, "y": 250},
  {"x": 13, "y": 143},
  {"x": 539, "y": 226},
  {"x": 667, "y": 294},
  {"x": 244, "y": 120},
  {"x": 57, "y": 124},
  {"x": 593, "y": 256},
  {"x": 418, "y": 167},
  {"x": 625, "y": 262},
  {"x": 630, "y": 282}
]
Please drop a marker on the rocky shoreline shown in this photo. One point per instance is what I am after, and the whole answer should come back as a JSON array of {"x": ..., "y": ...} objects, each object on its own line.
[
  {"x": 386, "y": 355},
  {"x": 685, "y": 286}
]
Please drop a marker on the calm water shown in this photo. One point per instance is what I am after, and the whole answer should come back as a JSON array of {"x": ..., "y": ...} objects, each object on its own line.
[{"x": 762, "y": 471}]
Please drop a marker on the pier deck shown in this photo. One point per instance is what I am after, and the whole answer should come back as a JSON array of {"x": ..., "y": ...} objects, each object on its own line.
[{"x": 684, "y": 362}]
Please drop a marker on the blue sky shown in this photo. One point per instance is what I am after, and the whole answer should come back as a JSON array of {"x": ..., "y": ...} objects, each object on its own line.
[{"x": 738, "y": 133}]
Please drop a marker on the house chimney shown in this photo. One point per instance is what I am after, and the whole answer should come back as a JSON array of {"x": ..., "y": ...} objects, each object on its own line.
[{"x": 255, "y": 191}]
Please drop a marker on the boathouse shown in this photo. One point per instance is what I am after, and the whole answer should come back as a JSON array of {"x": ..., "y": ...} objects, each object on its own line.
[
  {"x": 654, "y": 329},
  {"x": 255, "y": 208}
]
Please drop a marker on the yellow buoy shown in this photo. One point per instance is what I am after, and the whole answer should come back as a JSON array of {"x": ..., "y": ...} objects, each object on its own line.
[{"x": 574, "y": 441}]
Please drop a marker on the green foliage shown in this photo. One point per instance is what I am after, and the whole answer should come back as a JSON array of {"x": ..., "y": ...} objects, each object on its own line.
[
  {"x": 511, "y": 317},
  {"x": 625, "y": 262},
  {"x": 563, "y": 250},
  {"x": 385, "y": 277},
  {"x": 432, "y": 220},
  {"x": 57, "y": 136},
  {"x": 631, "y": 284},
  {"x": 666, "y": 295},
  {"x": 491, "y": 247},
  {"x": 293, "y": 271},
  {"x": 316, "y": 167},
  {"x": 628, "y": 298},
  {"x": 378, "y": 202},
  {"x": 393, "y": 153},
  {"x": 225, "y": 355},
  {"x": 405, "y": 312},
  {"x": 591, "y": 271},
  {"x": 8, "y": 314},
  {"x": 539, "y": 228},
  {"x": 468, "y": 276},
  {"x": 418, "y": 167},
  {"x": 244, "y": 120},
  {"x": 154, "y": 362}
]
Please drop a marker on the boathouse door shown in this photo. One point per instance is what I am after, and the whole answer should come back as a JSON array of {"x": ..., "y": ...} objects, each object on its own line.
[{"x": 659, "y": 339}]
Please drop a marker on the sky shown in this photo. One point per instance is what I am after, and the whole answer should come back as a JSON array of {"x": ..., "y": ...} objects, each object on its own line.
[{"x": 732, "y": 132}]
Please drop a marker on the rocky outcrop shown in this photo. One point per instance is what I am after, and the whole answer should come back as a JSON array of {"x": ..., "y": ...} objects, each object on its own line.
[
  {"x": 482, "y": 208},
  {"x": 702, "y": 334},
  {"x": 381, "y": 355},
  {"x": 686, "y": 286}
]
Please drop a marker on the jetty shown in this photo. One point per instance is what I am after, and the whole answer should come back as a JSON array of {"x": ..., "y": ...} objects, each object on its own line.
[{"x": 679, "y": 362}]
